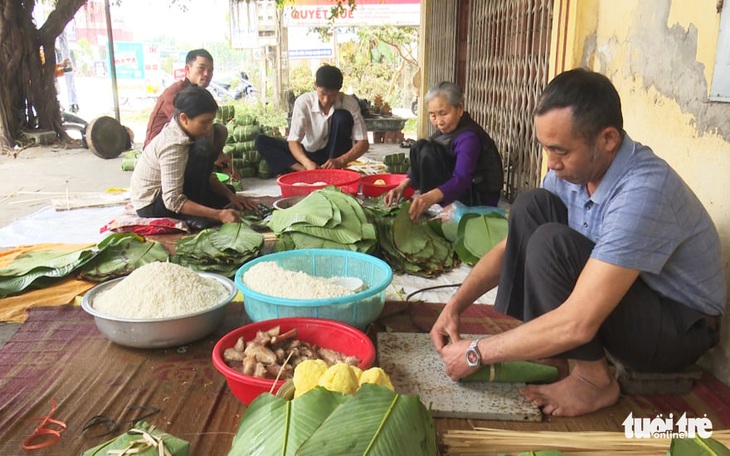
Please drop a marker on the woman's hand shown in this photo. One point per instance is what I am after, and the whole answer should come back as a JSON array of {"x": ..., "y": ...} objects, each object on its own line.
[
  {"x": 240, "y": 202},
  {"x": 395, "y": 194},
  {"x": 229, "y": 216},
  {"x": 421, "y": 203}
]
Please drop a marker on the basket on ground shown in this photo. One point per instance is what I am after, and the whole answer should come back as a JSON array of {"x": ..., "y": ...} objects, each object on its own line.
[
  {"x": 324, "y": 333},
  {"x": 375, "y": 185},
  {"x": 305, "y": 182},
  {"x": 358, "y": 309}
]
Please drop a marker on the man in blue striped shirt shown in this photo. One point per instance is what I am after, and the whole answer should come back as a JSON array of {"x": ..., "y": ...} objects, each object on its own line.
[{"x": 614, "y": 254}]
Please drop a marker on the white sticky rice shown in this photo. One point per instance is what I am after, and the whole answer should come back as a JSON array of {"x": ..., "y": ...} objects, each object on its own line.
[
  {"x": 160, "y": 290},
  {"x": 270, "y": 279}
]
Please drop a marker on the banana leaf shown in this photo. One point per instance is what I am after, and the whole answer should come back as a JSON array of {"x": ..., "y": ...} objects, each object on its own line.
[
  {"x": 514, "y": 372},
  {"x": 697, "y": 446},
  {"x": 276, "y": 426},
  {"x": 236, "y": 237},
  {"x": 221, "y": 250},
  {"x": 50, "y": 259},
  {"x": 478, "y": 234},
  {"x": 414, "y": 248},
  {"x": 373, "y": 421},
  {"x": 119, "y": 257},
  {"x": 346, "y": 228},
  {"x": 314, "y": 210},
  {"x": 38, "y": 274},
  {"x": 342, "y": 234},
  {"x": 41, "y": 269},
  {"x": 407, "y": 236}
]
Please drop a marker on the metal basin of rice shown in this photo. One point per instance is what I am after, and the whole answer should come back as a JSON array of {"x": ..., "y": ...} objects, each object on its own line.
[{"x": 159, "y": 332}]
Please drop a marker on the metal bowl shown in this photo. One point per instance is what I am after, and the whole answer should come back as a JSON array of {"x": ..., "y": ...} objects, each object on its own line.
[
  {"x": 286, "y": 203},
  {"x": 159, "y": 332}
]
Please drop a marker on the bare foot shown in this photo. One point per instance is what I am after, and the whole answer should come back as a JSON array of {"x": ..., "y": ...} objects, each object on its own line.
[
  {"x": 559, "y": 363},
  {"x": 589, "y": 387}
]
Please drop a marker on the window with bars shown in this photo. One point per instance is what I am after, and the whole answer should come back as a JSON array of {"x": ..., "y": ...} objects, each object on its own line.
[{"x": 506, "y": 70}]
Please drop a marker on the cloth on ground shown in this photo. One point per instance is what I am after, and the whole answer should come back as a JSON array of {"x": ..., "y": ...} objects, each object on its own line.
[
  {"x": 48, "y": 225},
  {"x": 129, "y": 221}
]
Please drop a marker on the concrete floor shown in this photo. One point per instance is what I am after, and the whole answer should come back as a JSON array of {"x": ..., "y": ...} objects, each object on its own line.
[{"x": 35, "y": 176}]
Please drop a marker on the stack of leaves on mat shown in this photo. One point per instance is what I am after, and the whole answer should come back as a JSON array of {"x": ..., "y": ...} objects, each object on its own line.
[
  {"x": 416, "y": 248},
  {"x": 476, "y": 234},
  {"x": 373, "y": 421},
  {"x": 325, "y": 218},
  {"x": 115, "y": 256},
  {"x": 221, "y": 249}
]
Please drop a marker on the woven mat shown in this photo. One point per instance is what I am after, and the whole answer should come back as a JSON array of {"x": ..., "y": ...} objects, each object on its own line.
[{"x": 58, "y": 354}]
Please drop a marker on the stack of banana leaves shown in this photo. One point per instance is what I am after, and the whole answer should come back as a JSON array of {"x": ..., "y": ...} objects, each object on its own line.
[
  {"x": 476, "y": 234},
  {"x": 116, "y": 255},
  {"x": 373, "y": 421},
  {"x": 326, "y": 218},
  {"x": 417, "y": 248},
  {"x": 221, "y": 250}
]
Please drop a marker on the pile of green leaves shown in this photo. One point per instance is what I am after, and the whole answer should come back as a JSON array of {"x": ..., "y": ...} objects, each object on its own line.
[
  {"x": 477, "y": 234},
  {"x": 221, "y": 250},
  {"x": 326, "y": 218},
  {"x": 115, "y": 256},
  {"x": 417, "y": 248},
  {"x": 373, "y": 421}
]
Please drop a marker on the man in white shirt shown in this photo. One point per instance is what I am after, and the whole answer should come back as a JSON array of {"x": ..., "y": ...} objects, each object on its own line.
[{"x": 327, "y": 129}]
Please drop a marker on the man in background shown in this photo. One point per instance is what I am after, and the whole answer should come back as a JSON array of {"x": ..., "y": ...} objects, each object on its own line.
[
  {"x": 198, "y": 72},
  {"x": 327, "y": 129}
]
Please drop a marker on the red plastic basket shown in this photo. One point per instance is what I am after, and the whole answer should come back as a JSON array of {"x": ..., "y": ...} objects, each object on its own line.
[
  {"x": 305, "y": 182},
  {"x": 324, "y": 333},
  {"x": 371, "y": 189}
]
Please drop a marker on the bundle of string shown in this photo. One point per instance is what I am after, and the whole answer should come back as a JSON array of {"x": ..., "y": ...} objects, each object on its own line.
[{"x": 44, "y": 436}]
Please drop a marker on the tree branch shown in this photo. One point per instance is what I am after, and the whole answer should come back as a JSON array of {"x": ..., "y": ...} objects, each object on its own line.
[{"x": 59, "y": 17}]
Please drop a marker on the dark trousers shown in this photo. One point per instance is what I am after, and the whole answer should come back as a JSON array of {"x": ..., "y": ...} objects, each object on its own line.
[
  {"x": 196, "y": 187},
  {"x": 277, "y": 154},
  {"x": 544, "y": 257},
  {"x": 432, "y": 166}
]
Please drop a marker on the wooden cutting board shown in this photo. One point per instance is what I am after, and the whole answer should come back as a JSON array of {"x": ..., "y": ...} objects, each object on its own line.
[{"x": 415, "y": 368}]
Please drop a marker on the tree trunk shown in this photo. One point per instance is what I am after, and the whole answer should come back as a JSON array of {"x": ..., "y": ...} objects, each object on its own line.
[{"x": 28, "y": 99}]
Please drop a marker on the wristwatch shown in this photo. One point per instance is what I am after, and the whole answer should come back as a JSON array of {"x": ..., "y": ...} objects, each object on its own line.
[{"x": 473, "y": 357}]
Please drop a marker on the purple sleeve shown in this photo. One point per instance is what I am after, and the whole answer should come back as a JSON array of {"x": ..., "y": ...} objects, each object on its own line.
[{"x": 467, "y": 147}]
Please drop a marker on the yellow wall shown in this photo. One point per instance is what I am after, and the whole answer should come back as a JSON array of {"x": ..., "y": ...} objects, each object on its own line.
[{"x": 660, "y": 55}]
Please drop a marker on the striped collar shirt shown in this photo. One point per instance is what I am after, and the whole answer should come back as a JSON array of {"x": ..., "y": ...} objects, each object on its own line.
[{"x": 161, "y": 169}]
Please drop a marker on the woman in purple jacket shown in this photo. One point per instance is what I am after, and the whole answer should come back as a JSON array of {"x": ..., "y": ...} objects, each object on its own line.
[{"x": 460, "y": 162}]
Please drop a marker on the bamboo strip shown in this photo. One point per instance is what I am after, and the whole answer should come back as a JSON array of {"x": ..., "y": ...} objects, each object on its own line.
[{"x": 489, "y": 441}]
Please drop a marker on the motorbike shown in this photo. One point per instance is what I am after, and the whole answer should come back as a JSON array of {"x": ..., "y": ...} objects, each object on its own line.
[
  {"x": 71, "y": 121},
  {"x": 222, "y": 90},
  {"x": 244, "y": 89}
]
